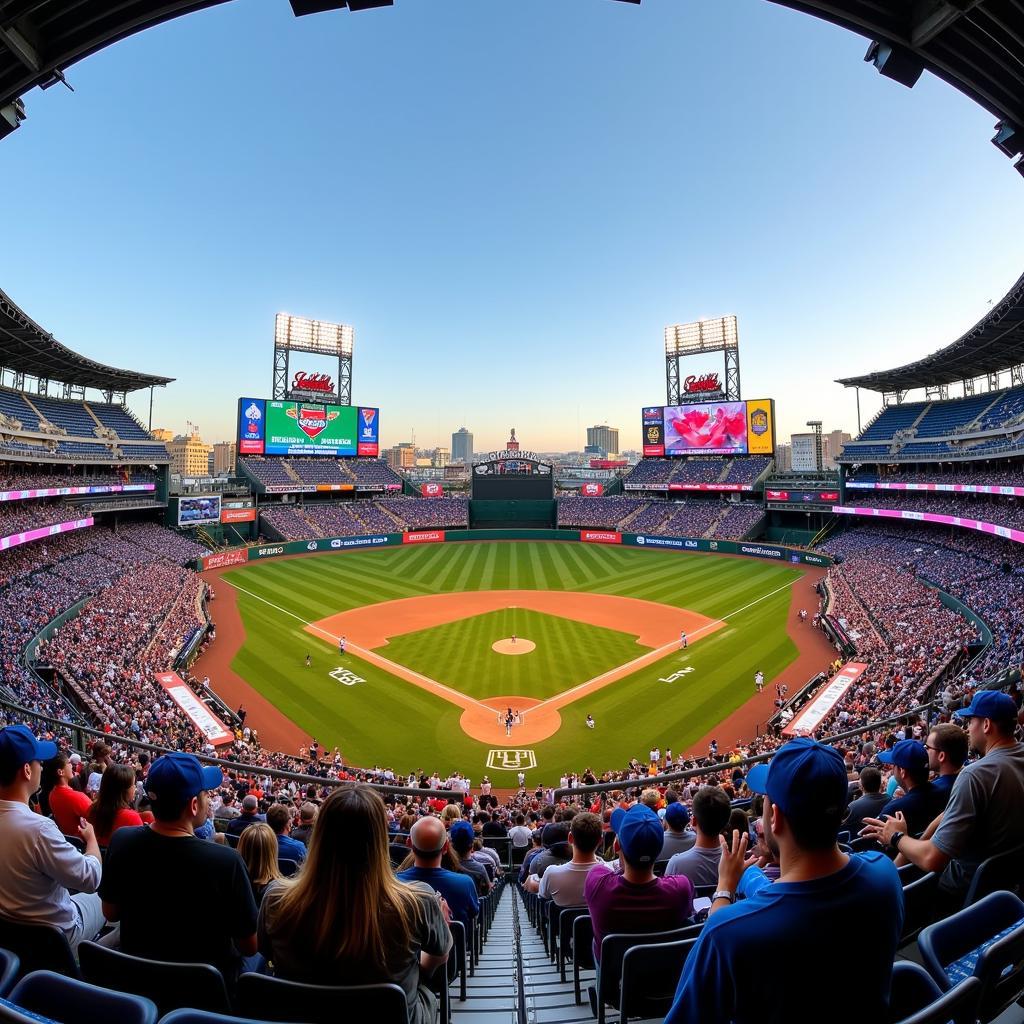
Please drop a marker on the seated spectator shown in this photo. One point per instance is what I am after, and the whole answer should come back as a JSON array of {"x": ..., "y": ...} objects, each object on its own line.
[
  {"x": 68, "y": 806},
  {"x": 520, "y": 834},
  {"x": 711, "y": 810},
  {"x": 921, "y": 800},
  {"x": 257, "y": 847},
  {"x": 428, "y": 840},
  {"x": 947, "y": 754},
  {"x": 869, "y": 803},
  {"x": 494, "y": 828},
  {"x": 249, "y": 816},
  {"x": 113, "y": 808},
  {"x": 279, "y": 818},
  {"x": 733, "y": 972},
  {"x": 555, "y": 838},
  {"x": 636, "y": 900},
  {"x": 39, "y": 865},
  {"x": 461, "y": 838},
  {"x": 983, "y": 815},
  {"x": 389, "y": 931},
  {"x": 537, "y": 838},
  {"x": 227, "y": 808},
  {"x": 564, "y": 883},
  {"x": 164, "y": 875},
  {"x": 307, "y": 819},
  {"x": 678, "y": 838}
]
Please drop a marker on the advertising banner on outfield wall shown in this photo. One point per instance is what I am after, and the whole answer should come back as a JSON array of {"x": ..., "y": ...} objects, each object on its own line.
[
  {"x": 304, "y": 547},
  {"x": 222, "y": 558},
  {"x": 423, "y": 537},
  {"x": 833, "y": 692},
  {"x": 431, "y": 490},
  {"x": 237, "y": 515},
  {"x": 208, "y": 724},
  {"x": 592, "y": 490},
  {"x": 727, "y": 547},
  {"x": 601, "y": 536}
]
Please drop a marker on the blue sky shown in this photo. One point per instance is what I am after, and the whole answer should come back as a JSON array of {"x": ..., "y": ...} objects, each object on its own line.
[{"x": 509, "y": 201}]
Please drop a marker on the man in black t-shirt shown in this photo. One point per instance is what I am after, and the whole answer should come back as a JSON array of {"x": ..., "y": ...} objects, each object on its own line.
[{"x": 179, "y": 898}]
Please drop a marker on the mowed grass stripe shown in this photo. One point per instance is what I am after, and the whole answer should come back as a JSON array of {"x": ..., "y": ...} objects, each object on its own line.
[{"x": 385, "y": 720}]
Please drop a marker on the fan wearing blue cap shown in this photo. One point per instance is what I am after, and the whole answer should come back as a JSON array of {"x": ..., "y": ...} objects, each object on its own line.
[
  {"x": 922, "y": 800},
  {"x": 983, "y": 816},
  {"x": 39, "y": 865},
  {"x": 158, "y": 882},
  {"x": 733, "y": 972}
]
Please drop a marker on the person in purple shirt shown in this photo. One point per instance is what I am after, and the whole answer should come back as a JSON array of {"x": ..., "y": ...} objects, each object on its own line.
[{"x": 637, "y": 901}]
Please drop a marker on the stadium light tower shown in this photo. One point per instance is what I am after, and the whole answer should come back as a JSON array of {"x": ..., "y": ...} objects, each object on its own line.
[
  {"x": 819, "y": 462},
  {"x": 316, "y": 337},
  {"x": 698, "y": 338}
]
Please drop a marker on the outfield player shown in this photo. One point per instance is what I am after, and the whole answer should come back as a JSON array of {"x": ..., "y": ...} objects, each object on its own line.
[
  {"x": 590, "y": 721},
  {"x": 341, "y": 645},
  {"x": 759, "y": 681},
  {"x": 682, "y": 640},
  {"x": 309, "y": 659}
]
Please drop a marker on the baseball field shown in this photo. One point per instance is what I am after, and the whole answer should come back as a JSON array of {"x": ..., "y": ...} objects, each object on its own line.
[{"x": 442, "y": 640}]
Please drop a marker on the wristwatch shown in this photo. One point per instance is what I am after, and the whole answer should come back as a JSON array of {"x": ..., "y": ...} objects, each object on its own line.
[
  {"x": 894, "y": 843},
  {"x": 724, "y": 894}
]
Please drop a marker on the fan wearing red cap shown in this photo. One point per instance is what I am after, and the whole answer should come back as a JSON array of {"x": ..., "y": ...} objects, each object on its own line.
[
  {"x": 733, "y": 972},
  {"x": 39, "y": 865},
  {"x": 982, "y": 817}
]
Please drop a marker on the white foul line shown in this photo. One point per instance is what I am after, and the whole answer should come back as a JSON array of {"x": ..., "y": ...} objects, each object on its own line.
[{"x": 371, "y": 656}]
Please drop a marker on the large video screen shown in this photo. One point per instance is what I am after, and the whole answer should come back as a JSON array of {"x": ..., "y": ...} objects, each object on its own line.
[
  {"x": 710, "y": 428},
  {"x": 306, "y": 428},
  {"x": 199, "y": 511}
]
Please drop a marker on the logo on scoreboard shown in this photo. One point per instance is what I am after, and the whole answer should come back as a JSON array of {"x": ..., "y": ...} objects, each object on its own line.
[
  {"x": 312, "y": 419},
  {"x": 759, "y": 422}
]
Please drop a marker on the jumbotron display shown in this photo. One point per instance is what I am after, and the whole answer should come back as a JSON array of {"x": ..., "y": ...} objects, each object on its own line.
[
  {"x": 710, "y": 428},
  {"x": 306, "y": 428}
]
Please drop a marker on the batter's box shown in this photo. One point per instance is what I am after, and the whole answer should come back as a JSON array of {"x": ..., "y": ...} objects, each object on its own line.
[{"x": 511, "y": 760}]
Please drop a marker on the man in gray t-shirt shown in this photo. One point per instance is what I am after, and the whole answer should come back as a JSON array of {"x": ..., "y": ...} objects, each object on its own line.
[
  {"x": 678, "y": 838},
  {"x": 711, "y": 810},
  {"x": 983, "y": 816}
]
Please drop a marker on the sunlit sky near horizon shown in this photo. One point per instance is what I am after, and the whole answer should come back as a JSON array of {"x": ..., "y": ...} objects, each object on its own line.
[{"x": 509, "y": 201}]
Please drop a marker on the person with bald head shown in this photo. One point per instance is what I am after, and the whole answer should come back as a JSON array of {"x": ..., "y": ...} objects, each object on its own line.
[{"x": 428, "y": 841}]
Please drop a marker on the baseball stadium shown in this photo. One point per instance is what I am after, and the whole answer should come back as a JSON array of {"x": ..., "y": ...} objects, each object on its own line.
[{"x": 523, "y": 735}]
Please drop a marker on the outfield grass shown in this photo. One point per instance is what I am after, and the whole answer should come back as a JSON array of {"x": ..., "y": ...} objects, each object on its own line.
[
  {"x": 386, "y": 721},
  {"x": 459, "y": 654}
]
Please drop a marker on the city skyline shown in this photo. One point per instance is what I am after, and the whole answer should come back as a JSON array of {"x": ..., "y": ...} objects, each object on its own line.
[{"x": 491, "y": 245}]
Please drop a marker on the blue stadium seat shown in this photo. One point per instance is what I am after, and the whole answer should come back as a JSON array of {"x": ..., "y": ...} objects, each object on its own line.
[
  {"x": 650, "y": 974},
  {"x": 1003, "y": 872},
  {"x": 985, "y": 941},
  {"x": 274, "y": 999},
  {"x": 74, "y": 1002},
  {"x": 953, "y": 1007},
  {"x": 10, "y": 968},
  {"x": 287, "y": 866},
  {"x": 203, "y": 1017},
  {"x": 912, "y": 989},
  {"x": 170, "y": 985},
  {"x": 39, "y": 947}
]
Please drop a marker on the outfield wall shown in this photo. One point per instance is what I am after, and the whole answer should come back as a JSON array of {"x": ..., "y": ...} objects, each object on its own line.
[{"x": 748, "y": 549}]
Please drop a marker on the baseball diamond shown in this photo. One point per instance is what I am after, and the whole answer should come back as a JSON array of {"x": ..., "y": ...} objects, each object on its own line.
[{"x": 421, "y": 624}]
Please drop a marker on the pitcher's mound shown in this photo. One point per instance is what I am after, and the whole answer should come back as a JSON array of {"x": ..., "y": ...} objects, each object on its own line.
[{"x": 510, "y": 646}]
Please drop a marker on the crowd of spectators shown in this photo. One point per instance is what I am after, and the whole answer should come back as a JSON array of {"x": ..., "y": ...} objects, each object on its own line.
[
  {"x": 13, "y": 479},
  {"x": 280, "y": 471},
  {"x": 357, "y": 518},
  {"x": 985, "y": 508},
  {"x": 688, "y": 518},
  {"x": 429, "y": 513},
  {"x": 658, "y": 474},
  {"x": 21, "y": 516},
  {"x": 1007, "y": 474}
]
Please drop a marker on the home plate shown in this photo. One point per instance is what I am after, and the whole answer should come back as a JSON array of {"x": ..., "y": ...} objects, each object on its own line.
[{"x": 519, "y": 645}]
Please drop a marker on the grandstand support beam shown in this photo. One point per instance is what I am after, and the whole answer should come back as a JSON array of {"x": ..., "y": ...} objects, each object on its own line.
[
  {"x": 937, "y": 392},
  {"x": 892, "y": 398},
  {"x": 11, "y": 117},
  {"x": 42, "y": 385},
  {"x": 933, "y": 17},
  {"x": 732, "y": 374},
  {"x": 671, "y": 380},
  {"x": 1017, "y": 374},
  {"x": 993, "y": 381},
  {"x": 280, "y": 389},
  {"x": 968, "y": 383},
  {"x": 345, "y": 380}
]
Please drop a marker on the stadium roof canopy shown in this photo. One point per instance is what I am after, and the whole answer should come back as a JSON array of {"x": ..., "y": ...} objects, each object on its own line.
[
  {"x": 26, "y": 348},
  {"x": 975, "y": 45},
  {"x": 995, "y": 343}
]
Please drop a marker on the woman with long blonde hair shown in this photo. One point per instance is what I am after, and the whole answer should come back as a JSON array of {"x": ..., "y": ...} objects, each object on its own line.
[
  {"x": 257, "y": 846},
  {"x": 345, "y": 919}
]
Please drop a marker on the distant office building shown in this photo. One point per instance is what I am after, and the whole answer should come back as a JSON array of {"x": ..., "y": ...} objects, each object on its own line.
[
  {"x": 783, "y": 457},
  {"x": 442, "y": 456},
  {"x": 224, "y": 458},
  {"x": 833, "y": 443},
  {"x": 402, "y": 456},
  {"x": 804, "y": 453},
  {"x": 604, "y": 437},
  {"x": 160, "y": 434},
  {"x": 462, "y": 446},
  {"x": 189, "y": 455}
]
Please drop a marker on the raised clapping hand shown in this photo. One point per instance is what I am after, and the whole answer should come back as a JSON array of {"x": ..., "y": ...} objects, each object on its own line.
[
  {"x": 883, "y": 831},
  {"x": 734, "y": 860}
]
